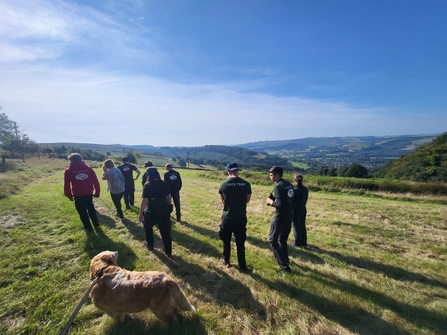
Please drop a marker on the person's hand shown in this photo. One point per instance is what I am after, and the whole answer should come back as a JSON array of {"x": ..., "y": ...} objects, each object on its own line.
[
  {"x": 96, "y": 195},
  {"x": 71, "y": 199},
  {"x": 269, "y": 201},
  {"x": 141, "y": 218}
]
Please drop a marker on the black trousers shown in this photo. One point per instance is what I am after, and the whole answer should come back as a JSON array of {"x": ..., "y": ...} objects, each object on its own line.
[
  {"x": 129, "y": 195},
  {"x": 279, "y": 233},
  {"x": 116, "y": 198},
  {"x": 86, "y": 209},
  {"x": 299, "y": 228},
  {"x": 163, "y": 223},
  {"x": 176, "y": 199},
  {"x": 237, "y": 227}
]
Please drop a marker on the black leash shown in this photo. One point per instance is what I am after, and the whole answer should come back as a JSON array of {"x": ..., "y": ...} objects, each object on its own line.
[{"x": 72, "y": 317}]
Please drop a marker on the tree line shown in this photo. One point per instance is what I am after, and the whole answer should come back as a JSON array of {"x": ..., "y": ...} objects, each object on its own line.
[{"x": 14, "y": 143}]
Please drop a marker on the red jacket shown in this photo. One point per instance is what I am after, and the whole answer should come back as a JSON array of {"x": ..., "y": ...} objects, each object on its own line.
[{"x": 80, "y": 180}]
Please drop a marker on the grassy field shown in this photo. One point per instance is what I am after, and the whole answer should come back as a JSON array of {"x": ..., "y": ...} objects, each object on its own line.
[{"x": 377, "y": 264}]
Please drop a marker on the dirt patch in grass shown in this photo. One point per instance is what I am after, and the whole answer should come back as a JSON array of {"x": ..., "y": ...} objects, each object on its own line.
[{"x": 9, "y": 221}]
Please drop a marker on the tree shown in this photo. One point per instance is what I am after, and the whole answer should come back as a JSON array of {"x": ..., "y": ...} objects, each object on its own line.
[
  {"x": 182, "y": 163},
  {"x": 357, "y": 171}
]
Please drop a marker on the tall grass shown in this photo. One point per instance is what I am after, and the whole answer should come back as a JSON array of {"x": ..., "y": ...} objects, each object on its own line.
[{"x": 376, "y": 265}]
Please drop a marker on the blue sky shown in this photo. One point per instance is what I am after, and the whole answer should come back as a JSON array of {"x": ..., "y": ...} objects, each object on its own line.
[{"x": 192, "y": 73}]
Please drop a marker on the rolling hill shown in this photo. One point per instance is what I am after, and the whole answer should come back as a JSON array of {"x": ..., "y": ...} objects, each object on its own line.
[{"x": 373, "y": 152}]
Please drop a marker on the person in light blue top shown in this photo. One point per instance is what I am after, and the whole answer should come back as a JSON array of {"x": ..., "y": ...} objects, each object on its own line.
[{"x": 115, "y": 183}]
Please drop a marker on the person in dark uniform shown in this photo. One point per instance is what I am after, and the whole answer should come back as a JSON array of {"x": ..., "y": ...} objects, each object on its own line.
[
  {"x": 148, "y": 165},
  {"x": 282, "y": 199},
  {"x": 174, "y": 181},
  {"x": 127, "y": 170},
  {"x": 301, "y": 194},
  {"x": 155, "y": 209},
  {"x": 235, "y": 194},
  {"x": 81, "y": 185}
]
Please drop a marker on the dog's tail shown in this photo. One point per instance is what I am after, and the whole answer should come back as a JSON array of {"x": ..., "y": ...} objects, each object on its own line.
[{"x": 181, "y": 300}]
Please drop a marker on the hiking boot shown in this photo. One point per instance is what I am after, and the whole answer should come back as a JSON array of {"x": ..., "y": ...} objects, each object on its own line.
[
  {"x": 282, "y": 272},
  {"x": 247, "y": 269},
  {"x": 224, "y": 262},
  {"x": 148, "y": 247}
]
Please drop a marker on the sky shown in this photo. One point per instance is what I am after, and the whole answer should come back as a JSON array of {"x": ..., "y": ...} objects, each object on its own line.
[{"x": 204, "y": 72}]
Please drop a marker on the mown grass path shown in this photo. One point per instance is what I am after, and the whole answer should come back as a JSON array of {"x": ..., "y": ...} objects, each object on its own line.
[{"x": 377, "y": 265}]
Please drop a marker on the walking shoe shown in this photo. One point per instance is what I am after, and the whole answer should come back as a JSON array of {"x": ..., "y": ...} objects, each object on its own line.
[
  {"x": 96, "y": 224},
  {"x": 247, "y": 269},
  {"x": 282, "y": 271},
  {"x": 148, "y": 247},
  {"x": 179, "y": 217},
  {"x": 224, "y": 262}
]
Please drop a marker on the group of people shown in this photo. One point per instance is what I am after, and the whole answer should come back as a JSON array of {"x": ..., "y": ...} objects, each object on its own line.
[
  {"x": 81, "y": 185},
  {"x": 290, "y": 210}
]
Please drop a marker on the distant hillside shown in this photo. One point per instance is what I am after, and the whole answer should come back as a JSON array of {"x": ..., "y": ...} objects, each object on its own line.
[
  {"x": 427, "y": 163},
  {"x": 208, "y": 155},
  {"x": 373, "y": 152},
  {"x": 370, "y": 151}
]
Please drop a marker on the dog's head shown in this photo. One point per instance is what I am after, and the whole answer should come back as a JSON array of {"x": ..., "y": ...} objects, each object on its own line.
[{"x": 101, "y": 261}]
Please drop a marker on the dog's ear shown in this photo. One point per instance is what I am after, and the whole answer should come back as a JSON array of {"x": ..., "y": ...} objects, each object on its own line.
[
  {"x": 110, "y": 258},
  {"x": 96, "y": 267}
]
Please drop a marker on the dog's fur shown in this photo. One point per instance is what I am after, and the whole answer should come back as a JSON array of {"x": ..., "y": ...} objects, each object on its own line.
[{"x": 119, "y": 291}]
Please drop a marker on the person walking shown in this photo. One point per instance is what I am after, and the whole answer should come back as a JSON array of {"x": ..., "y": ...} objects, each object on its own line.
[
  {"x": 235, "y": 194},
  {"x": 115, "y": 184},
  {"x": 282, "y": 200},
  {"x": 155, "y": 208},
  {"x": 301, "y": 193},
  {"x": 148, "y": 165},
  {"x": 174, "y": 181},
  {"x": 127, "y": 170},
  {"x": 81, "y": 185}
]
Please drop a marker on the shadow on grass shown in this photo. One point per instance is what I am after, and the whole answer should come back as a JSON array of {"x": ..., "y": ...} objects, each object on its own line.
[
  {"x": 98, "y": 241},
  {"x": 388, "y": 270},
  {"x": 355, "y": 319},
  {"x": 194, "y": 245},
  {"x": 263, "y": 244},
  {"x": 218, "y": 284},
  {"x": 188, "y": 325},
  {"x": 419, "y": 317}
]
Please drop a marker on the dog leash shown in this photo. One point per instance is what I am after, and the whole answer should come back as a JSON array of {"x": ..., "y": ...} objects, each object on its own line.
[{"x": 84, "y": 298}]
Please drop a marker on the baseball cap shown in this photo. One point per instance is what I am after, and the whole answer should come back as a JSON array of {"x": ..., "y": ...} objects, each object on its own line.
[
  {"x": 232, "y": 166},
  {"x": 152, "y": 173}
]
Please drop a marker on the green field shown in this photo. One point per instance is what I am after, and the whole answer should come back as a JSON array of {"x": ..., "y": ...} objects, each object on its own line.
[{"x": 377, "y": 262}]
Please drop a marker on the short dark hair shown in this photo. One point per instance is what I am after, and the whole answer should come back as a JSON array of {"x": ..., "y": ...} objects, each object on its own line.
[
  {"x": 277, "y": 170},
  {"x": 148, "y": 163},
  {"x": 75, "y": 157},
  {"x": 125, "y": 159}
]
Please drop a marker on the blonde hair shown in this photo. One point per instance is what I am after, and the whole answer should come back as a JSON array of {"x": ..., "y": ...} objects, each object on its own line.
[{"x": 108, "y": 163}]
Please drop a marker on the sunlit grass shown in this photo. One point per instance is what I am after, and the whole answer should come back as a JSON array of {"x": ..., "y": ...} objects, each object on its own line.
[{"x": 377, "y": 264}]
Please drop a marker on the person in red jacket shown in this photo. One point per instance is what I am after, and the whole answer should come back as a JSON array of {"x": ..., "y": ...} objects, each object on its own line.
[{"x": 81, "y": 185}]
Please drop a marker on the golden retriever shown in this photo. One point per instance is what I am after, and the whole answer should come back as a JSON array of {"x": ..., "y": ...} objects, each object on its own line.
[{"x": 119, "y": 291}]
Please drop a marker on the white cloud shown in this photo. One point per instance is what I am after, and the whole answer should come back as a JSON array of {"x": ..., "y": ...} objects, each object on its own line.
[{"x": 63, "y": 105}]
